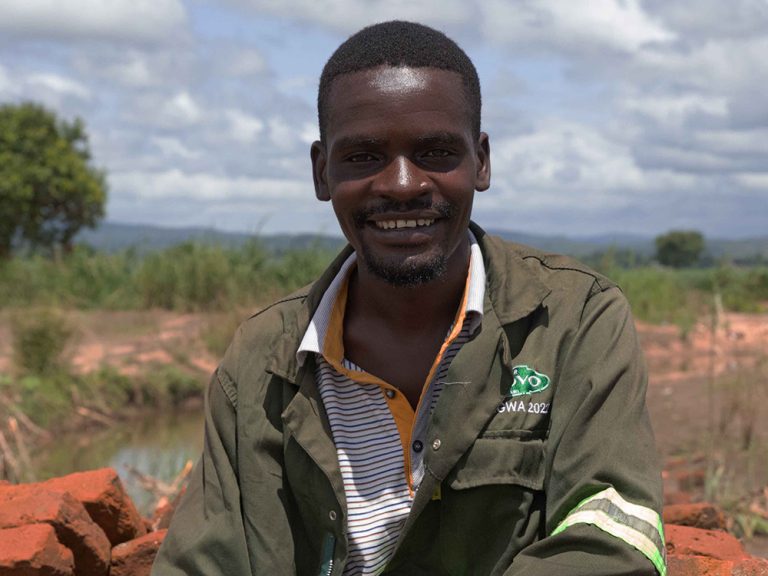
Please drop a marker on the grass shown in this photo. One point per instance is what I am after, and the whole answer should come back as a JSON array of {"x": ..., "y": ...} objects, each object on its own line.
[
  {"x": 187, "y": 277},
  {"x": 205, "y": 277},
  {"x": 665, "y": 296}
]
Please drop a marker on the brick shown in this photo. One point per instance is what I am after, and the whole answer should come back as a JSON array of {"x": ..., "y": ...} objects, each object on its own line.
[
  {"x": 751, "y": 567},
  {"x": 33, "y": 550},
  {"x": 135, "y": 558},
  {"x": 28, "y": 504},
  {"x": 105, "y": 499},
  {"x": 697, "y": 566},
  {"x": 701, "y": 515},
  {"x": 687, "y": 541}
]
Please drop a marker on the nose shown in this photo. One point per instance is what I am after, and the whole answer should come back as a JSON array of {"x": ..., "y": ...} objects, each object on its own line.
[{"x": 401, "y": 180}]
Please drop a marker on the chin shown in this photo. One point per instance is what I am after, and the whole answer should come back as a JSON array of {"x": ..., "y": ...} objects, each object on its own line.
[{"x": 407, "y": 273}]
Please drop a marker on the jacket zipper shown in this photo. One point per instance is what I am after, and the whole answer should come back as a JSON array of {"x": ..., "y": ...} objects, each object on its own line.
[{"x": 326, "y": 566}]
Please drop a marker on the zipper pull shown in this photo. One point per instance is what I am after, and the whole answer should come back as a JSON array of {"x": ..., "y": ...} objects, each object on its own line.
[{"x": 326, "y": 554}]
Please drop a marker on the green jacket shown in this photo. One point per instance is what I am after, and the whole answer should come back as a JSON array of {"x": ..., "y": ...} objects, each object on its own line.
[{"x": 511, "y": 464}]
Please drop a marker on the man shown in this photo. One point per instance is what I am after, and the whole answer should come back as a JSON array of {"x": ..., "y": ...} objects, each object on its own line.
[{"x": 439, "y": 401}]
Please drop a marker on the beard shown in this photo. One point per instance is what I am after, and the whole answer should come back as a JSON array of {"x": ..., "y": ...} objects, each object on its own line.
[
  {"x": 406, "y": 274},
  {"x": 413, "y": 270}
]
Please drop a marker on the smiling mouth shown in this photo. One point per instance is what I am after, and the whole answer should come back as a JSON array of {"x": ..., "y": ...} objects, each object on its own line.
[{"x": 398, "y": 224}]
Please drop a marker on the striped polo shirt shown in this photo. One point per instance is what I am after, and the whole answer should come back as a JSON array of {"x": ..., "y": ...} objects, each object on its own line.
[{"x": 379, "y": 438}]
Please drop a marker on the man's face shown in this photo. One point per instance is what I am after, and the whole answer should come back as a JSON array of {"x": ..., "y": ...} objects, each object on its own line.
[{"x": 400, "y": 165}]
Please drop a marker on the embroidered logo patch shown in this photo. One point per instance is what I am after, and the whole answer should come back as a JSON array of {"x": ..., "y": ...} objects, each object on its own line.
[{"x": 527, "y": 381}]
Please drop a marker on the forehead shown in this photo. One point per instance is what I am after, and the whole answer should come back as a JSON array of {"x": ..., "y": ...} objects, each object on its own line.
[{"x": 390, "y": 97}]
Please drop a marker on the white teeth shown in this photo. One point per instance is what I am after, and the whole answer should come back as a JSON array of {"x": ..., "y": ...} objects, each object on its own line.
[{"x": 391, "y": 224}]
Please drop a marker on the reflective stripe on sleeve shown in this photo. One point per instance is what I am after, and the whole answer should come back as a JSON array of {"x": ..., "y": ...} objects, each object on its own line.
[{"x": 638, "y": 526}]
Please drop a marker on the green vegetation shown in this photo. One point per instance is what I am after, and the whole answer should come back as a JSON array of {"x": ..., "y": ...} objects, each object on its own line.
[
  {"x": 39, "y": 340},
  {"x": 664, "y": 295},
  {"x": 204, "y": 277},
  {"x": 679, "y": 248},
  {"x": 187, "y": 277},
  {"x": 48, "y": 188}
]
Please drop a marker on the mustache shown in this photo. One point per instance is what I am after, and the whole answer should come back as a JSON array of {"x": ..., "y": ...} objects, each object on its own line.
[{"x": 442, "y": 208}]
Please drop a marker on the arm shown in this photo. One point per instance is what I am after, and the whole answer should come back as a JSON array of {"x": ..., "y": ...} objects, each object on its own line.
[
  {"x": 603, "y": 484},
  {"x": 206, "y": 536}
]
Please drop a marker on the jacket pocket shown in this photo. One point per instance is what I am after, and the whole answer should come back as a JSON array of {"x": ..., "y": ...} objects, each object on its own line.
[
  {"x": 492, "y": 504},
  {"x": 511, "y": 458}
]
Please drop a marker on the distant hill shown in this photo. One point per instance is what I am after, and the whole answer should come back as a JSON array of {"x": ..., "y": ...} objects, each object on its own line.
[{"x": 113, "y": 236}]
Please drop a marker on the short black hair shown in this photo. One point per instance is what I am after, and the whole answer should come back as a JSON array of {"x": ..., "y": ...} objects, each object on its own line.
[{"x": 399, "y": 43}]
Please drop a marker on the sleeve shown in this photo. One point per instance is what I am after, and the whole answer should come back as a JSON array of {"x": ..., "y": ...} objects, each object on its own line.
[
  {"x": 603, "y": 486},
  {"x": 206, "y": 535}
]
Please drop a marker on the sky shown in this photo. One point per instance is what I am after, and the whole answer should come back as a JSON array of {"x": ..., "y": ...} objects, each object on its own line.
[{"x": 607, "y": 116}]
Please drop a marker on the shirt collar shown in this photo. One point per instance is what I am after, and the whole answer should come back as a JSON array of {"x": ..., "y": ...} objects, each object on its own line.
[{"x": 314, "y": 337}]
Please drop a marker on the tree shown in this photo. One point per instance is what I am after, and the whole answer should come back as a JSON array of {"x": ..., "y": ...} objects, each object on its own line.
[
  {"x": 679, "y": 248},
  {"x": 48, "y": 188}
]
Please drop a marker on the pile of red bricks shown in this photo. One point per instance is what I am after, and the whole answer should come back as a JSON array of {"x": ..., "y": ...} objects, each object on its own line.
[
  {"x": 83, "y": 524},
  {"x": 698, "y": 544}
]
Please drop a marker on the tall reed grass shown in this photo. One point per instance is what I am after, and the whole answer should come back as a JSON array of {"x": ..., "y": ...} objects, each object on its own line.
[
  {"x": 187, "y": 277},
  {"x": 204, "y": 277}
]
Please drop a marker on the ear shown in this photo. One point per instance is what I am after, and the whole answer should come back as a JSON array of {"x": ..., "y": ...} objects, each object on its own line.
[
  {"x": 483, "y": 173},
  {"x": 319, "y": 162}
]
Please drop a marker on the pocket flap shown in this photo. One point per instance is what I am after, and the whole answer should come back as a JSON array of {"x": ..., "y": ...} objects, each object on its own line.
[{"x": 500, "y": 460}]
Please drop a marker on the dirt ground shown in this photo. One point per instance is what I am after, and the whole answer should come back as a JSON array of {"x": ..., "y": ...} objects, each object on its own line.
[
  {"x": 127, "y": 341},
  {"x": 711, "y": 383}
]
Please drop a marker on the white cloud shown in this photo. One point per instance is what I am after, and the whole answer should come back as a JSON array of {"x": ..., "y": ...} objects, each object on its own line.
[
  {"x": 309, "y": 133},
  {"x": 245, "y": 62},
  {"x": 182, "y": 108},
  {"x": 724, "y": 65},
  {"x": 672, "y": 109},
  {"x": 243, "y": 127},
  {"x": 564, "y": 155},
  {"x": 735, "y": 142},
  {"x": 131, "y": 69},
  {"x": 281, "y": 134},
  {"x": 7, "y": 86},
  {"x": 59, "y": 85},
  {"x": 191, "y": 186},
  {"x": 755, "y": 180},
  {"x": 173, "y": 147},
  {"x": 141, "y": 20},
  {"x": 350, "y": 15},
  {"x": 616, "y": 24},
  {"x": 713, "y": 18}
]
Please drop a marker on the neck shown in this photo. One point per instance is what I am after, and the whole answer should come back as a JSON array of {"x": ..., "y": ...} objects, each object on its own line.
[{"x": 412, "y": 308}]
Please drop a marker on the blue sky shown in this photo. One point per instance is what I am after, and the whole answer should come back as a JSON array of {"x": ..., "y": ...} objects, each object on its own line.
[{"x": 634, "y": 116}]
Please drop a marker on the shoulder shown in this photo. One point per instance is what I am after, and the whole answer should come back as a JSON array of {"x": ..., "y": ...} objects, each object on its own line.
[
  {"x": 556, "y": 271},
  {"x": 256, "y": 338}
]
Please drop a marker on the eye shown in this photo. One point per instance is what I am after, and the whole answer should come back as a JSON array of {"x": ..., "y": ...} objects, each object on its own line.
[
  {"x": 437, "y": 153},
  {"x": 360, "y": 157}
]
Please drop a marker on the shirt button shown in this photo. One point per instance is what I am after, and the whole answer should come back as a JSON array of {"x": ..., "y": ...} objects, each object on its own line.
[
  {"x": 418, "y": 446},
  {"x": 390, "y": 393},
  {"x": 436, "y": 444},
  {"x": 332, "y": 515}
]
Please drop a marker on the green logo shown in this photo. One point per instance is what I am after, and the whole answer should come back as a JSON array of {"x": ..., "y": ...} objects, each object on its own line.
[{"x": 527, "y": 381}]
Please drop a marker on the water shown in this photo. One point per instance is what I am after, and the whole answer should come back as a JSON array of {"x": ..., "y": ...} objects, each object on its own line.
[{"x": 157, "y": 445}]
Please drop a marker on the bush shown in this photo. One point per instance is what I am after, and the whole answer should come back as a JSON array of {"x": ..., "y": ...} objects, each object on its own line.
[{"x": 39, "y": 339}]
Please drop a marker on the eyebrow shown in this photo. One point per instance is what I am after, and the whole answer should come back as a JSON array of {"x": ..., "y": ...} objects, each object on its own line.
[
  {"x": 431, "y": 139},
  {"x": 441, "y": 139},
  {"x": 358, "y": 142}
]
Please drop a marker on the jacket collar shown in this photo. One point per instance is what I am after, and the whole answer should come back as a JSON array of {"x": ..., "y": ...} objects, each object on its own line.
[
  {"x": 512, "y": 292},
  {"x": 511, "y": 287}
]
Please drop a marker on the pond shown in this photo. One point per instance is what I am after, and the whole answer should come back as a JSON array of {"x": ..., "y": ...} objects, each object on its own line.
[{"x": 156, "y": 445}]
